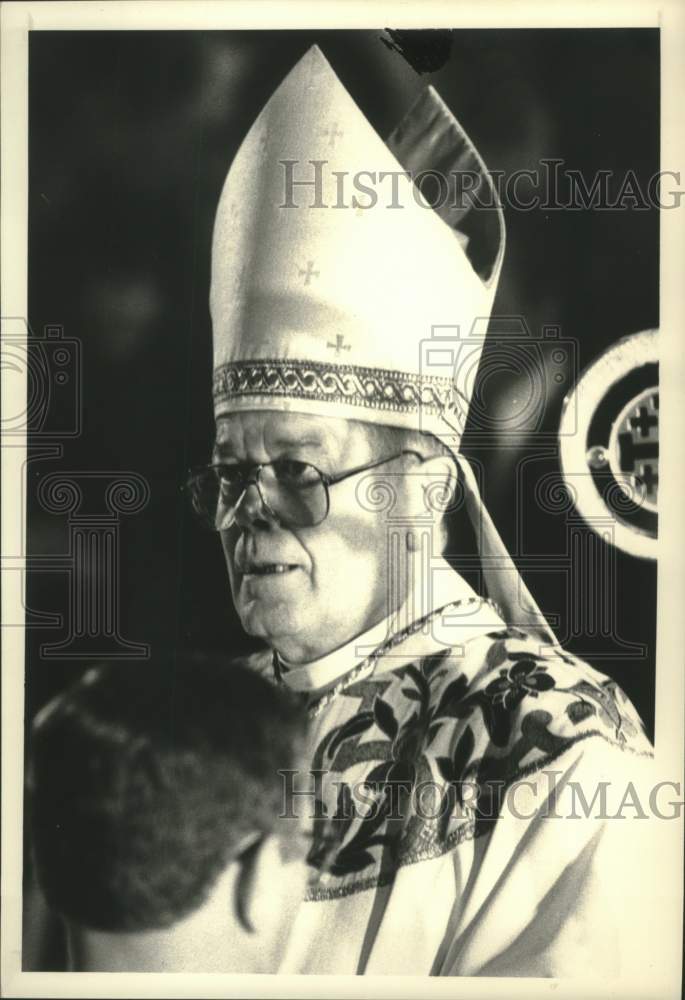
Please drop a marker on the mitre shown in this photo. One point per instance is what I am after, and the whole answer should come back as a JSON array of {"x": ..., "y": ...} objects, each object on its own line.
[
  {"x": 339, "y": 288},
  {"x": 335, "y": 281}
]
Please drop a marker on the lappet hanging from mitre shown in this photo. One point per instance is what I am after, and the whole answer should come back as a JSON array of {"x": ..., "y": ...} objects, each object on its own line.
[{"x": 335, "y": 468}]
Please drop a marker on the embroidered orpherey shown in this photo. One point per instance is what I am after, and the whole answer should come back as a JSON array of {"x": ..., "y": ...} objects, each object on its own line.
[
  {"x": 436, "y": 744},
  {"x": 366, "y": 387}
]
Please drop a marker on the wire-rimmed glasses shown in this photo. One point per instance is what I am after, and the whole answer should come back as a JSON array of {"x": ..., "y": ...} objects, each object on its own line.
[{"x": 293, "y": 493}]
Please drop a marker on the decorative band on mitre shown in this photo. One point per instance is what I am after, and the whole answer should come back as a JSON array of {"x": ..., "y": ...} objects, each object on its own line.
[{"x": 373, "y": 388}]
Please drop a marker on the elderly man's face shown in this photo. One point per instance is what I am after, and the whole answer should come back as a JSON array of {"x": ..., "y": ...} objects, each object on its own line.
[{"x": 336, "y": 582}]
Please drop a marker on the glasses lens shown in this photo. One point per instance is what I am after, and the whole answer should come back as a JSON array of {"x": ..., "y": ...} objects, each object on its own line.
[
  {"x": 295, "y": 492},
  {"x": 214, "y": 491}
]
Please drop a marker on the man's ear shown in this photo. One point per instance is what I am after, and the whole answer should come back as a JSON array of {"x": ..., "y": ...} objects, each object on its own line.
[
  {"x": 263, "y": 879},
  {"x": 247, "y": 858},
  {"x": 439, "y": 478},
  {"x": 432, "y": 491}
]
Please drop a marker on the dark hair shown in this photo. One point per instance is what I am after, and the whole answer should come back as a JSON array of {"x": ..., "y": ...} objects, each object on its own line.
[{"x": 144, "y": 781}]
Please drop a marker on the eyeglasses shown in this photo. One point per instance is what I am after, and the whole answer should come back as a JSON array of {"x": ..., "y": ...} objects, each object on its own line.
[{"x": 293, "y": 493}]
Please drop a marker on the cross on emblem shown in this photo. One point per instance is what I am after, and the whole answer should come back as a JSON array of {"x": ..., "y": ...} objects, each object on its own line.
[
  {"x": 309, "y": 272},
  {"x": 333, "y": 134},
  {"x": 636, "y": 445},
  {"x": 338, "y": 346},
  {"x": 644, "y": 421},
  {"x": 648, "y": 478},
  {"x": 631, "y": 452}
]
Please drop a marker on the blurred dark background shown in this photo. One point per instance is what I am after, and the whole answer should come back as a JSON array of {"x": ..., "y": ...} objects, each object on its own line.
[{"x": 131, "y": 135}]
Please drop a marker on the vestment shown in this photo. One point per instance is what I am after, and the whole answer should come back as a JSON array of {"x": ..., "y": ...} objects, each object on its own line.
[
  {"x": 325, "y": 309},
  {"x": 483, "y": 750}
]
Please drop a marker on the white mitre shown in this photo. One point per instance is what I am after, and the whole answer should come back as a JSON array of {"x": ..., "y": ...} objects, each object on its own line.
[
  {"x": 324, "y": 298},
  {"x": 321, "y": 307}
]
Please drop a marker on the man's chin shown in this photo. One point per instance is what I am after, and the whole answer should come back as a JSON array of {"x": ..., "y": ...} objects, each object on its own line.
[{"x": 272, "y": 624}]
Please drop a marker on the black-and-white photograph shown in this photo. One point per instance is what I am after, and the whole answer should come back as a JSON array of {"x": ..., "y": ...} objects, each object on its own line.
[{"x": 332, "y": 585}]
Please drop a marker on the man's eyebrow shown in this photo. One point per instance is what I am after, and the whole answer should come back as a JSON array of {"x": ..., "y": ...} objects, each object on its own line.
[
  {"x": 283, "y": 443},
  {"x": 222, "y": 450}
]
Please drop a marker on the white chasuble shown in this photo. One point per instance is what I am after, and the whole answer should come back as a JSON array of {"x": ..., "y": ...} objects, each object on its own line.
[
  {"x": 474, "y": 807},
  {"x": 437, "y": 758}
]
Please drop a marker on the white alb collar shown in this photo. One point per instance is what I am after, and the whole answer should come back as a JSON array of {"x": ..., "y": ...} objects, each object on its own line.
[{"x": 472, "y": 616}]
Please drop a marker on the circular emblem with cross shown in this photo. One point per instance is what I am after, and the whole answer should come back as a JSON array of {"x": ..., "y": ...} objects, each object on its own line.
[
  {"x": 634, "y": 445},
  {"x": 609, "y": 443}
]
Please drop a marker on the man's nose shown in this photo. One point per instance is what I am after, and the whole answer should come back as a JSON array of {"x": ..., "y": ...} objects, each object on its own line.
[{"x": 251, "y": 509}]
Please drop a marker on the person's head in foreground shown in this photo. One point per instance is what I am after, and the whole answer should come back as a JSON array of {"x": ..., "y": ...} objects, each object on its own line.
[{"x": 156, "y": 806}]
